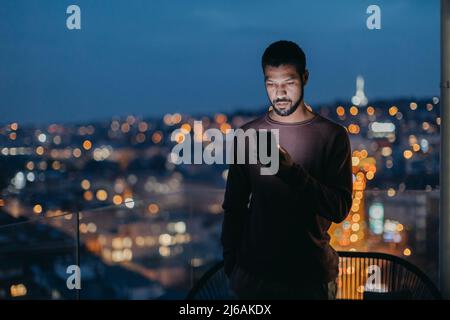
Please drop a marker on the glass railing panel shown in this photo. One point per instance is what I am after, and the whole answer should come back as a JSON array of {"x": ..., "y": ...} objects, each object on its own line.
[
  {"x": 38, "y": 257},
  {"x": 137, "y": 249}
]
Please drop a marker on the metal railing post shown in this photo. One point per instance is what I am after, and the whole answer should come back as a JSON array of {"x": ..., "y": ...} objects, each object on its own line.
[{"x": 444, "y": 207}]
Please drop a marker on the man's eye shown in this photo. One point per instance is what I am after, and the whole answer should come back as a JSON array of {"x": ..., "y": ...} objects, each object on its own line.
[
  {"x": 269, "y": 84},
  {"x": 290, "y": 83}
]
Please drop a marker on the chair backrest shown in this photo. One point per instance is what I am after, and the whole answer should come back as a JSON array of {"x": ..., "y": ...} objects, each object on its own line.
[
  {"x": 362, "y": 275},
  {"x": 369, "y": 275},
  {"x": 213, "y": 285}
]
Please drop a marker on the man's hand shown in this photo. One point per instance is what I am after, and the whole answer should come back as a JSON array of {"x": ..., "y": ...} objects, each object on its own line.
[
  {"x": 285, "y": 158},
  {"x": 286, "y": 164}
]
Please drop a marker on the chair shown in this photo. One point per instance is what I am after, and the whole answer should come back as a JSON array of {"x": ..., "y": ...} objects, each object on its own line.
[
  {"x": 374, "y": 276},
  {"x": 362, "y": 276}
]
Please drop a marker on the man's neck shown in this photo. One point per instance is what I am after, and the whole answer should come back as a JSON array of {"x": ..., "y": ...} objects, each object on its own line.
[{"x": 301, "y": 114}]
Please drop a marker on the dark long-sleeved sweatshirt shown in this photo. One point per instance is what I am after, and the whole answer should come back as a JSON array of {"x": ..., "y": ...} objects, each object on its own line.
[{"x": 276, "y": 226}]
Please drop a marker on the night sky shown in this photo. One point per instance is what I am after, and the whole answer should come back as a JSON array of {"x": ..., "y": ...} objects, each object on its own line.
[{"x": 157, "y": 56}]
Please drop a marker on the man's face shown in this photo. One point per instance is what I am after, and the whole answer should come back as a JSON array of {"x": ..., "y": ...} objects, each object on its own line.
[{"x": 284, "y": 88}]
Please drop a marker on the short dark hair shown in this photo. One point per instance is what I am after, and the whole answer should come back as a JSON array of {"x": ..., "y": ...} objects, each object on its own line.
[{"x": 284, "y": 52}]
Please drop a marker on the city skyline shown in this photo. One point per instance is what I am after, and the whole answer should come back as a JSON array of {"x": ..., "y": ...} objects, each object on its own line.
[{"x": 145, "y": 221}]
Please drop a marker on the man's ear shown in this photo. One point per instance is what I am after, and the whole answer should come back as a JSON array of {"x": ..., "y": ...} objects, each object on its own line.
[{"x": 305, "y": 77}]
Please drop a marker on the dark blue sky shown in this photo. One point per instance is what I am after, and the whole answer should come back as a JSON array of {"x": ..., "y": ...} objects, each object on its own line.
[{"x": 149, "y": 57}]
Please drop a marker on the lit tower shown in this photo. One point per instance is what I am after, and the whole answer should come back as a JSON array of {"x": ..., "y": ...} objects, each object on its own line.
[{"x": 360, "y": 99}]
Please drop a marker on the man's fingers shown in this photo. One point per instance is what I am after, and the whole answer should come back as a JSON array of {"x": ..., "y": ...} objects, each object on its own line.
[{"x": 285, "y": 158}]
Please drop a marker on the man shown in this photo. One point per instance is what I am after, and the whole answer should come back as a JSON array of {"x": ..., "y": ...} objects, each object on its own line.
[{"x": 274, "y": 233}]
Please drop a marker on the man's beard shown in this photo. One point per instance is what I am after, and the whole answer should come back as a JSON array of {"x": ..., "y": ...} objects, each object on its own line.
[{"x": 287, "y": 111}]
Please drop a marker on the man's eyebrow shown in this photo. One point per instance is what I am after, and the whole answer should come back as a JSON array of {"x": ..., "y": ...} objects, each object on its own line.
[{"x": 287, "y": 79}]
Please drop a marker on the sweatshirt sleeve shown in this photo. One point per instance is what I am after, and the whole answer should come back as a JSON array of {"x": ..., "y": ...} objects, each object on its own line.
[
  {"x": 235, "y": 206},
  {"x": 332, "y": 197}
]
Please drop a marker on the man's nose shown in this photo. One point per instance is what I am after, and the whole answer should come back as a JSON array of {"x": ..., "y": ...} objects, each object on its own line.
[{"x": 280, "y": 91}]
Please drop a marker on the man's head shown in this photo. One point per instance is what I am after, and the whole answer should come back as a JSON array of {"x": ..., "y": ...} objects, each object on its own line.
[{"x": 285, "y": 74}]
